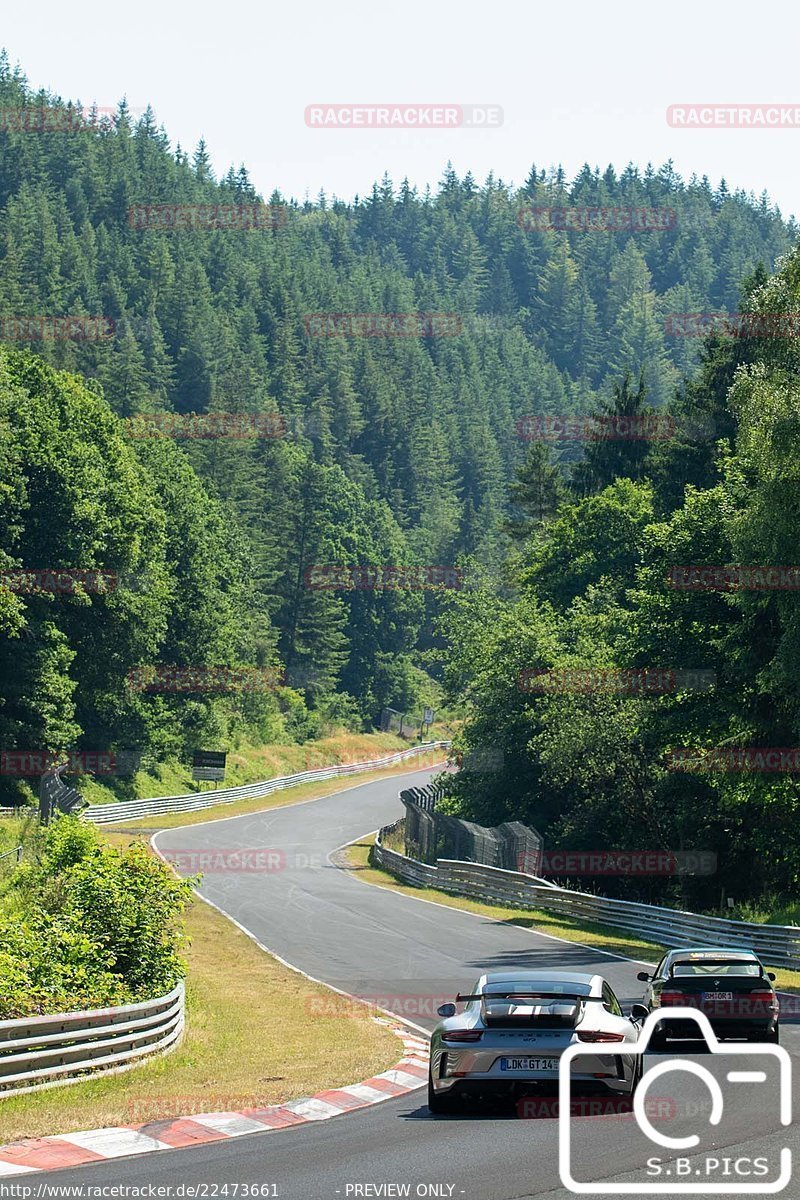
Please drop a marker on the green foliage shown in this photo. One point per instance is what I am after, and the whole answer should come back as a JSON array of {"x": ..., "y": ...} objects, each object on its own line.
[
  {"x": 536, "y": 492},
  {"x": 86, "y": 925},
  {"x": 615, "y": 454},
  {"x": 48, "y": 964},
  {"x": 171, "y": 575},
  {"x": 130, "y": 902},
  {"x": 589, "y": 767},
  {"x": 400, "y": 450},
  {"x": 596, "y": 538}
]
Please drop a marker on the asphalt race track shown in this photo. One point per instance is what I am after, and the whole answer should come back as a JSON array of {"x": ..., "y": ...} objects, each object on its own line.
[{"x": 409, "y": 955}]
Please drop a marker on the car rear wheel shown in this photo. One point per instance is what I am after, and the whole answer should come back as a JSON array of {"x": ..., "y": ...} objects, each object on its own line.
[
  {"x": 658, "y": 1040},
  {"x": 771, "y": 1036},
  {"x": 439, "y": 1104}
]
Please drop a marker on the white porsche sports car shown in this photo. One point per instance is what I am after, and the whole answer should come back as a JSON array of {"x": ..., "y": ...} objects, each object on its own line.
[{"x": 513, "y": 1029}]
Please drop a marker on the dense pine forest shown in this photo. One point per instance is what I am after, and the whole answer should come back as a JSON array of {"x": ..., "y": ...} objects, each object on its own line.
[{"x": 400, "y": 451}]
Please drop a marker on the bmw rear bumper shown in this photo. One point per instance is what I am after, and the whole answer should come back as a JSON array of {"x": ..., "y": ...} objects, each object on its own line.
[{"x": 723, "y": 1028}]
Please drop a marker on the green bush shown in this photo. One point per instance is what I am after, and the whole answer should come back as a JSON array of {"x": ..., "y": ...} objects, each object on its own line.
[
  {"x": 85, "y": 925},
  {"x": 131, "y": 902},
  {"x": 49, "y": 964}
]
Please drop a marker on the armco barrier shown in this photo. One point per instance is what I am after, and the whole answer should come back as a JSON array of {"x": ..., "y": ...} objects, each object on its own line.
[
  {"x": 105, "y": 814},
  {"x": 778, "y": 945},
  {"x": 39, "y": 1052}
]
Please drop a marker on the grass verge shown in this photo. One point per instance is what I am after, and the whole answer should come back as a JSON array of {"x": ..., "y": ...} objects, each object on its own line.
[
  {"x": 600, "y": 937},
  {"x": 257, "y": 1033}
]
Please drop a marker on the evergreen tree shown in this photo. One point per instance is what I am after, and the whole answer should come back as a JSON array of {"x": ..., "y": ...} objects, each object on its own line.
[
  {"x": 536, "y": 493},
  {"x": 619, "y": 439}
]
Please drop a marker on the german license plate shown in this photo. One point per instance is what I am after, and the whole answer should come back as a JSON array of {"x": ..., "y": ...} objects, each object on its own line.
[
  {"x": 710, "y": 997},
  {"x": 528, "y": 1064}
]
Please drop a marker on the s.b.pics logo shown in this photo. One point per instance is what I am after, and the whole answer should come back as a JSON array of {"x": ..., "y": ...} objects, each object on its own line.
[{"x": 697, "y": 1148}]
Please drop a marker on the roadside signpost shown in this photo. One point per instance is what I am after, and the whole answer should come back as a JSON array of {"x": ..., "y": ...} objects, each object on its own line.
[
  {"x": 427, "y": 720},
  {"x": 209, "y": 764}
]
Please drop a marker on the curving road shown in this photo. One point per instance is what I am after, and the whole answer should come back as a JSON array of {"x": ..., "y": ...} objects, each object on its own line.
[{"x": 407, "y": 955}]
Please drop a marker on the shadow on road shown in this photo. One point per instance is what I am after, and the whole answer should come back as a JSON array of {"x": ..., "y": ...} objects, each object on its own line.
[{"x": 563, "y": 957}]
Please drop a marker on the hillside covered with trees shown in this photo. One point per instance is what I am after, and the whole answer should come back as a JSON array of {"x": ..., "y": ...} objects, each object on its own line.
[
  {"x": 392, "y": 450},
  {"x": 638, "y": 692}
]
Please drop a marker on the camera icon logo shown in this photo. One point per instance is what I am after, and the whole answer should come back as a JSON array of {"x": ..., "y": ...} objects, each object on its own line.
[{"x": 679, "y": 1180}]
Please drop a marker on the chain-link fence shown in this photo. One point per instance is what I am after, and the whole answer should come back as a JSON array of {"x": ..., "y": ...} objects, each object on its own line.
[{"x": 431, "y": 835}]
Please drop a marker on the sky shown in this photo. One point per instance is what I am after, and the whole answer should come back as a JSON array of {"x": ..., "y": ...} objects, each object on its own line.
[{"x": 576, "y": 82}]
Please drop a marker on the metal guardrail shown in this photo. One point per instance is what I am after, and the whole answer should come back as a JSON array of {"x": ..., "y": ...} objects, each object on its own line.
[
  {"x": 779, "y": 945},
  {"x": 40, "y": 1052},
  {"x": 104, "y": 814}
]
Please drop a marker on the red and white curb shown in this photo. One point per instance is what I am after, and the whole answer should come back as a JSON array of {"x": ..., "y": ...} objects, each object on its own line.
[{"x": 172, "y": 1133}]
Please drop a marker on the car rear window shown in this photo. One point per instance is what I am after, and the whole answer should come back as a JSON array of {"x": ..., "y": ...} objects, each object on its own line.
[
  {"x": 539, "y": 987},
  {"x": 718, "y": 969}
]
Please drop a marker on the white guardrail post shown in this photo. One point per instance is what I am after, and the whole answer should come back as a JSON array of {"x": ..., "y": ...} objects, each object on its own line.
[
  {"x": 39, "y": 1052},
  {"x": 106, "y": 814},
  {"x": 779, "y": 945}
]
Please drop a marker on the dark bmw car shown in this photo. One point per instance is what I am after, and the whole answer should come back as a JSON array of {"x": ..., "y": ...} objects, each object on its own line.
[{"x": 732, "y": 988}]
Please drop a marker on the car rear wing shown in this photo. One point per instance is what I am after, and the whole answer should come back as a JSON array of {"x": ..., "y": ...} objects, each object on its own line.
[
  {"x": 545, "y": 1009},
  {"x": 548, "y": 996}
]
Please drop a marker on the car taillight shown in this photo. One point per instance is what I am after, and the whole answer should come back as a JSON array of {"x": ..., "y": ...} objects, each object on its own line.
[
  {"x": 674, "y": 998},
  {"x": 463, "y": 1035},
  {"x": 596, "y": 1036},
  {"x": 768, "y": 999}
]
